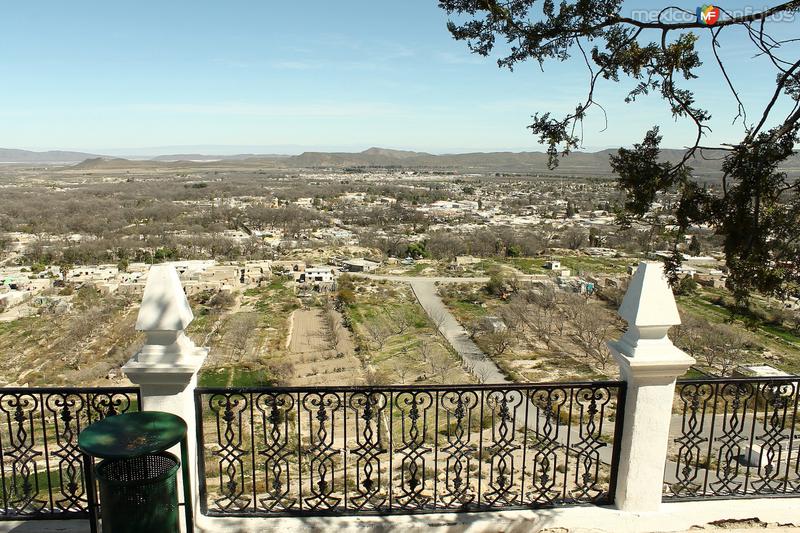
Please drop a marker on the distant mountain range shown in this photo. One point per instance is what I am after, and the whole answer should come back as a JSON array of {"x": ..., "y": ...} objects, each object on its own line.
[
  {"x": 10, "y": 155},
  {"x": 577, "y": 163}
]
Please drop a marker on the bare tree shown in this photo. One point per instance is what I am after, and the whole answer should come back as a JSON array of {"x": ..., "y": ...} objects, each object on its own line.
[
  {"x": 402, "y": 370},
  {"x": 377, "y": 335},
  {"x": 690, "y": 336},
  {"x": 481, "y": 373},
  {"x": 498, "y": 342},
  {"x": 794, "y": 320},
  {"x": 574, "y": 238},
  {"x": 592, "y": 329},
  {"x": 331, "y": 331},
  {"x": 437, "y": 359},
  {"x": 541, "y": 314},
  {"x": 240, "y": 330},
  {"x": 399, "y": 320},
  {"x": 473, "y": 328},
  {"x": 425, "y": 350}
]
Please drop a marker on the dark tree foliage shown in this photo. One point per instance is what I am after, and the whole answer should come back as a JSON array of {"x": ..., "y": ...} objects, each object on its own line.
[{"x": 757, "y": 207}]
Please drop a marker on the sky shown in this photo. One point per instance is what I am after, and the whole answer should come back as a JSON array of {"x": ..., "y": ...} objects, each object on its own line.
[{"x": 150, "y": 77}]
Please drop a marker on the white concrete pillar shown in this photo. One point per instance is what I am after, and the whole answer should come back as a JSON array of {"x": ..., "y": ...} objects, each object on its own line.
[
  {"x": 650, "y": 364},
  {"x": 166, "y": 367}
]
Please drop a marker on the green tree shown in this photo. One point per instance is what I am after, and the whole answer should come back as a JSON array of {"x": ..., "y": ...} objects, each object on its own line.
[
  {"x": 756, "y": 207},
  {"x": 514, "y": 250},
  {"x": 570, "y": 209},
  {"x": 63, "y": 268},
  {"x": 496, "y": 286},
  {"x": 417, "y": 250},
  {"x": 686, "y": 286},
  {"x": 694, "y": 246}
]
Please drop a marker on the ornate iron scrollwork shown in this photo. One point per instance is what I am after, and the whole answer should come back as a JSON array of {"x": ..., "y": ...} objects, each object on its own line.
[
  {"x": 42, "y": 473},
  {"x": 694, "y": 398},
  {"x": 23, "y": 491},
  {"x": 321, "y": 454},
  {"x": 275, "y": 410},
  {"x": 414, "y": 407},
  {"x": 592, "y": 402},
  {"x": 545, "y": 444},
  {"x": 737, "y": 438},
  {"x": 369, "y": 450},
  {"x": 460, "y": 450},
  {"x": 66, "y": 409},
  {"x": 228, "y": 410},
  {"x": 379, "y": 450},
  {"x": 501, "y": 451}
]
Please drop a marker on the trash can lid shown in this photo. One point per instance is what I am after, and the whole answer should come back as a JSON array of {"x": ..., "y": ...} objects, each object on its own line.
[{"x": 132, "y": 435}]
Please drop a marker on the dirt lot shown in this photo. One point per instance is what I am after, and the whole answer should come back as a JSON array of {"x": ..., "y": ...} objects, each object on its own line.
[{"x": 321, "y": 351}]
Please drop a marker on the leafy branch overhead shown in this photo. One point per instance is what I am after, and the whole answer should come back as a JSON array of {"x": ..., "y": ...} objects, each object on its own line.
[{"x": 757, "y": 205}]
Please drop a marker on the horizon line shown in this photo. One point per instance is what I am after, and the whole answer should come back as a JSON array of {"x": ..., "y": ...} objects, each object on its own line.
[{"x": 287, "y": 150}]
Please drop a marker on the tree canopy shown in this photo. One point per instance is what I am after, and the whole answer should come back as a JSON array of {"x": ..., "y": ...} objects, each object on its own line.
[{"x": 757, "y": 205}]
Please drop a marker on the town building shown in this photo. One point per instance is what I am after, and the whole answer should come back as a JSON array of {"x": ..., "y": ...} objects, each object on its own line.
[{"x": 359, "y": 265}]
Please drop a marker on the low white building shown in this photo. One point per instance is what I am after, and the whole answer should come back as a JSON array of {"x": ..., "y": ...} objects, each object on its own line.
[
  {"x": 93, "y": 273},
  {"x": 317, "y": 274}
]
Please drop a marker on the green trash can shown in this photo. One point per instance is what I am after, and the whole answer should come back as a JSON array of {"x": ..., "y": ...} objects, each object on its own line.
[
  {"x": 139, "y": 494},
  {"x": 137, "y": 476}
]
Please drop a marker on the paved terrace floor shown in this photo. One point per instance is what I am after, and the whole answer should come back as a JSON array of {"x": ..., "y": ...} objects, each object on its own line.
[
  {"x": 758, "y": 515},
  {"x": 780, "y": 515}
]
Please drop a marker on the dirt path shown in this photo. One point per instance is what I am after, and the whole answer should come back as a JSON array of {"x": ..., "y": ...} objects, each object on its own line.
[
  {"x": 425, "y": 291},
  {"x": 482, "y": 366}
]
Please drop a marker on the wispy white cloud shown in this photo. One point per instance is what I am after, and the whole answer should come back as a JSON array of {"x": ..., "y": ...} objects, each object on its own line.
[
  {"x": 466, "y": 58},
  {"x": 315, "y": 64},
  {"x": 339, "y": 52}
]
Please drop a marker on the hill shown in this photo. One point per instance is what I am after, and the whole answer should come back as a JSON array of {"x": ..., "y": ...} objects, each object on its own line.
[
  {"x": 10, "y": 155},
  {"x": 576, "y": 164}
]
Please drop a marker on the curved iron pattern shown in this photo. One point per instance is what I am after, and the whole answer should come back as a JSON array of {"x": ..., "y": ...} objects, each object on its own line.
[
  {"x": 379, "y": 450},
  {"x": 734, "y": 438},
  {"x": 273, "y": 410},
  {"x": 413, "y": 448},
  {"x": 461, "y": 446},
  {"x": 549, "y": 405},
  {"x": 503, "y": 406},
  {"x": 320, "y": 452},
  {"x": 592, "y": 403},
  {"x": 229, "y": 409},
  {"x": 370, "y": 451},
  {"x": 41, "y": 468}
]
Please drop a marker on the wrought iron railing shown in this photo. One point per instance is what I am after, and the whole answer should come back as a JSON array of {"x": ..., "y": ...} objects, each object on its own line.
[
  {"x": 337, "y": 450},
  {"x": 734, "y": 438},
  {"x": 41, "y": 468}
]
